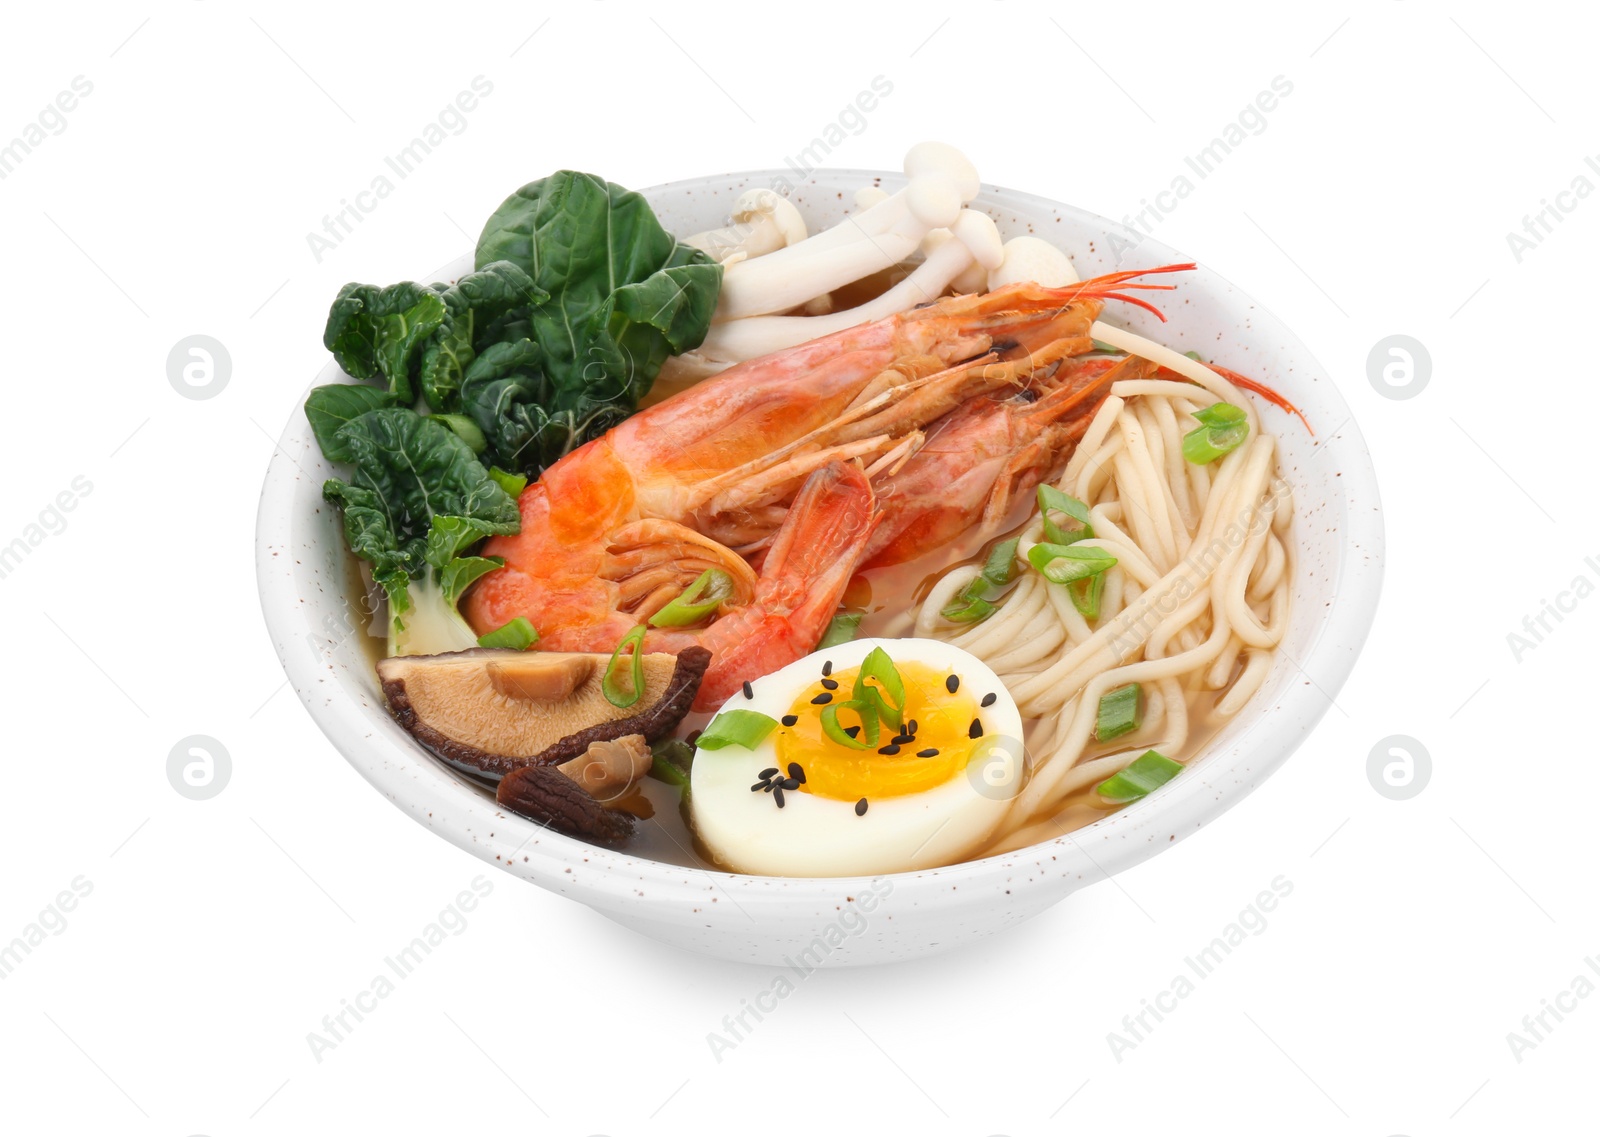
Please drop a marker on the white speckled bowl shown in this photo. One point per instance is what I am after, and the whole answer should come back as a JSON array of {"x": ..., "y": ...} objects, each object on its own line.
[{"x": 1339, "y": 535}]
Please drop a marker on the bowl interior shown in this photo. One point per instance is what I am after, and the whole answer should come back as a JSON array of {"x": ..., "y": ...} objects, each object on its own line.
[{"x": 305, "y": 576}]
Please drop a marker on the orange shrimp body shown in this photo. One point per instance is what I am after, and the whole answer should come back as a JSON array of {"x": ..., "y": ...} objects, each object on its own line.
[{"x": 772, "y": 462}]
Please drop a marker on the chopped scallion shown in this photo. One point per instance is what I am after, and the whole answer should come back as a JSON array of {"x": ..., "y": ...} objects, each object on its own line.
[
  {"x": 841, "y": 630},
  {"x": 880, "y": 667},
  {"x": 614, "y": 694},
  {"x": 736, "y": 728},
  {"x": 1063, "y": 564},
  {"x": 1085, "y": 595},
  {"x": 966, "y": 608},
  {"x": 670, "y": 759},
  {"x": 517, "y": 634},
  {"x": 1050, "y": 499},
  {"x": 1121, "y": 712},
  {"x": 696, "y": 602},
  {"x": 1145, "y": 773},
  {"x": 866, "y": 738},
  {"x": 1222, "y": 428},
  {"x": 1106, "y": 348},
  {"x": 1001, "y": 564}
]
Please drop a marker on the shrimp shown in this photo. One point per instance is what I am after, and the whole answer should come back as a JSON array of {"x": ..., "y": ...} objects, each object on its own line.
[
  {"x": 987, "y": 454},
  {"x": 772, "y": 461}
]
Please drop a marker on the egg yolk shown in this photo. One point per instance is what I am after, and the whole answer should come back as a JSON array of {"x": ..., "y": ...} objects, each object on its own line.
[{"x": 944, "y": 726}]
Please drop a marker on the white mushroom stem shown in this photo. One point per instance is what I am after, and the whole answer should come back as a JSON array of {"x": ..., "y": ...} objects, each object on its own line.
[
  {"x": 973, "y": 240},
  {"x": 762, "y": 222},
  {"x": 1032, "y": 259},
  {"x": 942, "y": 180}
]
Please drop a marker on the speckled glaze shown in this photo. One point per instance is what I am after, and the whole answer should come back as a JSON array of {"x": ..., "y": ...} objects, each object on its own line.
[{"x": 1338, "y": 535}]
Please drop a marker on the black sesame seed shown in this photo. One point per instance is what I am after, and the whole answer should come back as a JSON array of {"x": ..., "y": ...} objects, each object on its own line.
[
  {"x": 823, "y": 698},
  {"x": 951, "y": 683},
  {"x": 830, "y": 684},
  {"x": 760, "y": 786},
  {"x": 930, "y": 752},
  {"x": 777, "y": 796},
  {"x": 796, "y": 772},
  {"x": 988, "y": 700},
  {"x": 911, "y": 728},
  {"x": 789, "y": 784},
  {"x": 902, "y": 739},
  {"x": 861, "y": 808},
  {"x": 827, "y": 667},
  {"x": 975, "y": 730},
  {"x": 769, "y": 786},
  {"x": 749, "y": 691},
  {"x": 768, "y": 772},
  {"x": 789, "y": 720},
  {"x": 889, "y": 749},
  {"x": 852, "y": 731}
]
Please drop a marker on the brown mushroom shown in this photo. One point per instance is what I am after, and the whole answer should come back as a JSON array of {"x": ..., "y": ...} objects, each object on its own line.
[
  {"x": 610, "y": 766},
  {"x": 551, "y": 798},
  {"x": 498, "y": 711}
]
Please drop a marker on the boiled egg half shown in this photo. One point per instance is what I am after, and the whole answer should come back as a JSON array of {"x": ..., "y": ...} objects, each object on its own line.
[{"x": 802, "y": 801}]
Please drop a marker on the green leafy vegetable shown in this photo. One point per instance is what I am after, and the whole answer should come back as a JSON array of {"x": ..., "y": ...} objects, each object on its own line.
[
  {"x": 466, "y": 430},
  {"x": 736, "y": 728},
  {"x": 1145, "y": 773},
  {"x": 518, "y": 634},
  {"x": 476, "y": 300},
  {"x": 375, "y": 331},
  {"x": 328, "y": 408},
  {"x": 623, "y": 296},
  {"x": 513, "y": 484},
  {"x": 609, "y": 687},
  {"x": 417, "y": 499}
]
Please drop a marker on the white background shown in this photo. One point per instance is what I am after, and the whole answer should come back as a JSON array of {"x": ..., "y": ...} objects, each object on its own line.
[{"x": 218, "y": 933}]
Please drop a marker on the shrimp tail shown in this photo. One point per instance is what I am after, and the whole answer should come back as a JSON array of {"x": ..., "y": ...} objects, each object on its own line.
[{"x": 803, "y": 577}]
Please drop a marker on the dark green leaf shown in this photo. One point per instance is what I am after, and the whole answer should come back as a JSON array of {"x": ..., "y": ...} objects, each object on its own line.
[{"x": 328, "y": 408}]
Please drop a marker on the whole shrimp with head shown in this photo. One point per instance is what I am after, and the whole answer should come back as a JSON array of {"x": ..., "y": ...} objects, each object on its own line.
[{"x": 766, "y": 473}]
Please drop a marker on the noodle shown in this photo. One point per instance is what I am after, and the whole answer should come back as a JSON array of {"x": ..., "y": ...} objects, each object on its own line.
[{"x": 1197, "y": 601}]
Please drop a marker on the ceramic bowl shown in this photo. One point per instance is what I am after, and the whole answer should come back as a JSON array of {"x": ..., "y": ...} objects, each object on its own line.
[{"x": 1338, "y": 539}]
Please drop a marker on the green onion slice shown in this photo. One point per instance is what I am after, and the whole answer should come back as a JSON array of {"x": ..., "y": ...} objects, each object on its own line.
[
  {"x": 608, "y": 683},
  {"x": 670, "y": 759},
  {"x": 1144, "y": 774},
  {"x": 966, "y": 608},
  {"x": 1106, "y": 348},
  {"x": 1051, "y": 498},
  {"x": 841, "y": 630},
  {"x": 1121, "y": 712},
  {"x": 517, "y": 634},
  {"x": 1000, "y": 567},
  {"x": 972, "y": 603},
  {"x": 866, "y": 738},
  {"x": 1222, "y": 428},
  {"x": 696, "y": 602},
  {"x": 513, "y": 484},
  {"x": 736, "y": 728},
  {"x": 1194, "y": 355},
  {"x": 1063, "y": 564},
  {"x": 1085, "y": 595},
  {"x": 880, "y": 667}
]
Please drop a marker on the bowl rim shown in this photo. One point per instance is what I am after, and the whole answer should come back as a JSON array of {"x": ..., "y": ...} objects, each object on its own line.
[{"x": 441, "y": 799}]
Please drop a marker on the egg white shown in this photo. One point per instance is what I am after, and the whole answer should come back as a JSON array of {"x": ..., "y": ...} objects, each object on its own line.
[{"x": 816, "y": 836}]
